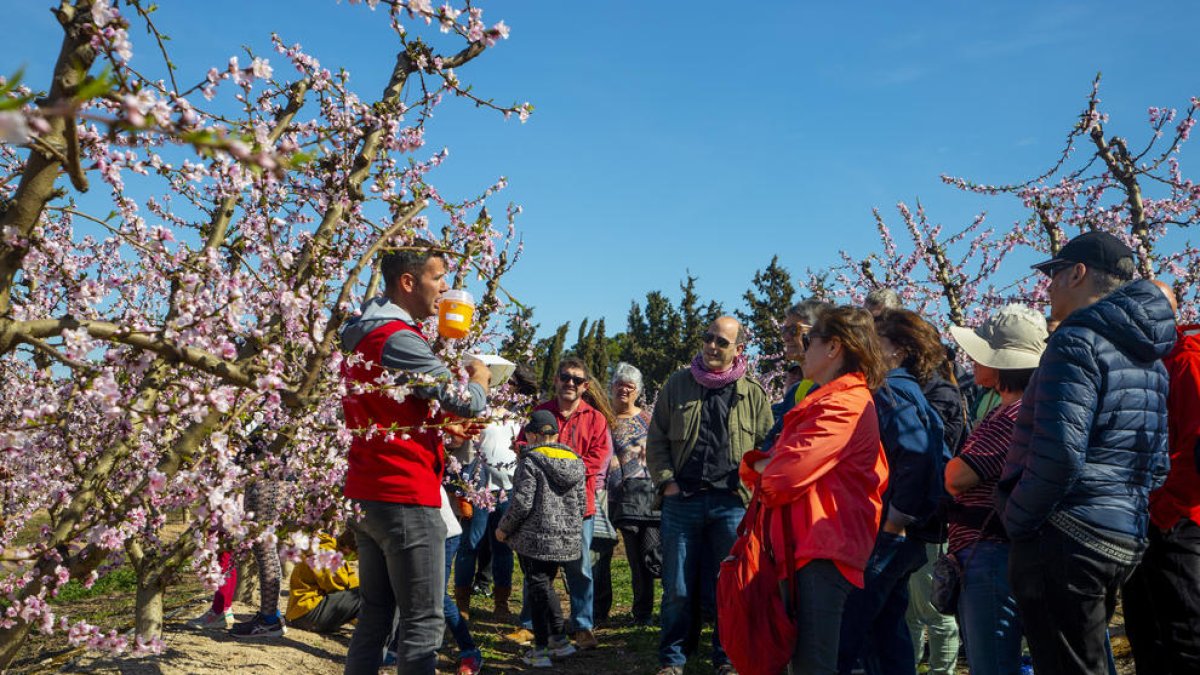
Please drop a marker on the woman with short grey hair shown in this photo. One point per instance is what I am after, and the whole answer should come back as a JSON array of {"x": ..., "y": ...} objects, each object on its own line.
[{"x": 631, "y": 492}]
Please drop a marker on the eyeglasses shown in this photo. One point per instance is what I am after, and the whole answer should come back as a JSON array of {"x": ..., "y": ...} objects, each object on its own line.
[
  {"x": 720, "y": 341},
  {"x": 789, "y": 331},
  {"x": 567, "y": 378}
]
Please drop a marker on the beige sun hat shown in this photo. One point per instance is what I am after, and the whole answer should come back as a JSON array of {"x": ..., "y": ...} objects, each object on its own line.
[{"x": 1012, "y": 338}]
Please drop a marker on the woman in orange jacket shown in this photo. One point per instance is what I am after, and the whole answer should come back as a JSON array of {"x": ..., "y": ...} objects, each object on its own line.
[{"x": 829, "y": 469}]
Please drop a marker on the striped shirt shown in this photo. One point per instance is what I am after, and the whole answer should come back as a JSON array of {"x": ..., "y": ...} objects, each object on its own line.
[{"x": 984, "y": 451}]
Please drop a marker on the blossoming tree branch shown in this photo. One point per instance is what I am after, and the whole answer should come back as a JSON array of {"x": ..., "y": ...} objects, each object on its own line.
[{"x": 175, "y": 262}]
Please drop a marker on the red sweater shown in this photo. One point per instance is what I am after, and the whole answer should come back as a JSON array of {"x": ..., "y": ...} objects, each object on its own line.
[
  {"x": 1179, "y": 497},
  {"x": 829, "y": 468},
  {"x": 585, "y": 432},
  {"x": 402, "y": 467}
]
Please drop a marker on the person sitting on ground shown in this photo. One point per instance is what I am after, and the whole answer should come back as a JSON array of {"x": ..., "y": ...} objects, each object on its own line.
[
  {"x": 544, "y": 525},
  {"x": 323, "y": 600}
]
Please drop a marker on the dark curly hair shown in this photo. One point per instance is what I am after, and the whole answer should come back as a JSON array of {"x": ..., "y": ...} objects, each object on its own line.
[{"x": 920, "y": 349}]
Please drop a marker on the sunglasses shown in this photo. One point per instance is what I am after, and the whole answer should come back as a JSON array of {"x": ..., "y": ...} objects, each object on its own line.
[
  {"x": 790, "y": 331},
  {"x": 806, "y": 340},
  {"x": 720, "y": 341},
  {"x": 571, "y": 379}
]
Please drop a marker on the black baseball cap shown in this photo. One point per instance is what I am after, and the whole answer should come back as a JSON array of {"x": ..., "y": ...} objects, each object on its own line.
[
  {"x": 1096, "y": 249},
  {"x": 542, "y": 422}
]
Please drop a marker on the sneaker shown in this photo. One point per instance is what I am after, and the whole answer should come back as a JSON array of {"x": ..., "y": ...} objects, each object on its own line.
[
  {"x": 671, "y": 670},
  {"x": 259, "y": 626},
  {"x": 726, "y": 669},
  {"x": 521, "y": 636},
  {"x": 538, "y": 658},
  {"x": 470, "y": 664},
  {"x": 389, "y": 659},
  {"x": 560, "y": 645},
  {"x": 211, "y": 619},
  {"x": 585, "y": 640}
]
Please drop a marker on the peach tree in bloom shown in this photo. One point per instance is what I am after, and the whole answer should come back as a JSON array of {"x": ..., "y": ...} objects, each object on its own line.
[
  {"x": 176, "y": 257},
  {"x": 1098, "y": 181}
]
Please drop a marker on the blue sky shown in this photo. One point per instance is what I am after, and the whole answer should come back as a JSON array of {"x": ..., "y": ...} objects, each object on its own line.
[{"x": 705, "y": 137}]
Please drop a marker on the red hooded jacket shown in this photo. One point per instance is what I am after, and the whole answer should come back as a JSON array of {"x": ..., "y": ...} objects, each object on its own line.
[{"x": 1179, "y": 497}]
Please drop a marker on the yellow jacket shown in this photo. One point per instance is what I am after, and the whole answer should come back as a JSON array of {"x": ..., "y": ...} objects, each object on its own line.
[{"x": 308, "y": 586}]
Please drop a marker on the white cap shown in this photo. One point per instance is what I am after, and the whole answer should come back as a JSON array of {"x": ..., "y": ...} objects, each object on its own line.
[{"x": 1011, "y": 339}]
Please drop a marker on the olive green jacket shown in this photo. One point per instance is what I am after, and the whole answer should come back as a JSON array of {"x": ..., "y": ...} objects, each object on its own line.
[{"x": 675, "y": 424}]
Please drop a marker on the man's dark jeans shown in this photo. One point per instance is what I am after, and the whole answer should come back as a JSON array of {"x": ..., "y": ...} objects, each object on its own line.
[
  {"x": 697, "y": 533},
  {"x": 873, "y": 625},
  {"x": 1066, "y": 594},
  {"x": 1162, "y": 603},
  {"x": 401, "y": 571}
]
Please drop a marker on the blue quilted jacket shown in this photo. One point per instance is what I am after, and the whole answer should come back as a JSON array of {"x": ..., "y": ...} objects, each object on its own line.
[{"x": 1090, "y": 441}]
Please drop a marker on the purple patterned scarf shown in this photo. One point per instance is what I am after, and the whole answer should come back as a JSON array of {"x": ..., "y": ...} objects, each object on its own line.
[{"x": 711, "y": 380}]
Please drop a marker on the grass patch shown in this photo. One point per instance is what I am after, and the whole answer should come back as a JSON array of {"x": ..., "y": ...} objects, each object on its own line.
[{"x": 120, "y": 580}]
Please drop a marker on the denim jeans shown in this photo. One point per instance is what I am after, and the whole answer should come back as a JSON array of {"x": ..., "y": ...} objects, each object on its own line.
[
  {"x": 401, "y": 572},
  {"x": 922, "y": 618},
  {"x": 821, "y": 593},
  {"x": 1066, "y": 594},
  {"x": 454, "y": 621},
  {"x": 483, "y": 525},
  {"x": 691, "y": 526},
  {"x": 873, "y": 626},
  {"x": 579, "y": 582},
  {"x": 987, "y": 611}
]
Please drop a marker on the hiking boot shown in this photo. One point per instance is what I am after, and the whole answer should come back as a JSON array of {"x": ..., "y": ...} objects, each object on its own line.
[
  {"x": 462, "y": 600},
  {"x": 259, "y": 626},
  {"x": 521, "y": 636},
  {"x": 500, "y": 611},
  {"x": 671, "y": 670},
  {"x": 211, "y": 619},
  {"x": 585, "y": 640},
  {"x": 538, "y": 658},
  {"x": 560, "y": 645},
  {"x": 470, "y": 664}
]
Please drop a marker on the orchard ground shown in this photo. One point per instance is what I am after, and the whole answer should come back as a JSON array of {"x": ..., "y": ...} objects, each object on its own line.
[{"x": 624, "y": 648}]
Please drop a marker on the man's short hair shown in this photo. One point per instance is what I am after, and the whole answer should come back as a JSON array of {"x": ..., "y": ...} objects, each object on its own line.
[
  {"x": 882, "y": 298},
  {"x": 1104, "y": 282},
  {"x": 407, "y": 261},
  {"x": 807, "y": 311},
  {"x": 576, "y": 363}
]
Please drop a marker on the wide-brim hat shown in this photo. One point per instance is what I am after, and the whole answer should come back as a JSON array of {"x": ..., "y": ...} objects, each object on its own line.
[{"x": 1013, "y": 338}]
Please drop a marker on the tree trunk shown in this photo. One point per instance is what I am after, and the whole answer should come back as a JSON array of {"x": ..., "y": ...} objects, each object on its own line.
[
  {"x": 148, "y": 610},
  {"x": 11, "y": 640}
]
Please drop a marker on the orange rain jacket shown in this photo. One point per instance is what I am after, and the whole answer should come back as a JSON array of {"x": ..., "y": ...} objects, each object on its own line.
[{"x": 829, "y": 468}]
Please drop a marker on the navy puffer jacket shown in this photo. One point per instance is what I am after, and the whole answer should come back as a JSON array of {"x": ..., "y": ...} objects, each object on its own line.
[{"x": 1091, "y": 435}]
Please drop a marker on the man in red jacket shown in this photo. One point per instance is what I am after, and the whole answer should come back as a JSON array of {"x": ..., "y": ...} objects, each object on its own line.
[
  {"x": 396, "y": 461},
  {"x": 1162, "y": 596}
]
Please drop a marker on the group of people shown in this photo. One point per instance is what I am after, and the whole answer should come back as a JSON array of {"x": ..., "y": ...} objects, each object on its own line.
[{"x": 1061, "y": 470}]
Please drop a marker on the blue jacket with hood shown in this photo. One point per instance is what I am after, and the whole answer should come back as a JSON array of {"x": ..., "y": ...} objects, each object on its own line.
[{"x": 1090, "y": 441}]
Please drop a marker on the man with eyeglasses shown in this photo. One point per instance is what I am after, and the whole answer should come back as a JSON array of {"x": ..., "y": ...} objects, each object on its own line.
[
  {"x": 707, "y": 416},
  {"x": 800, "y": 319},
  {"x": 583, "y": 428},
  {"x": 1090, "y": 443}
]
